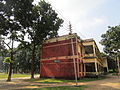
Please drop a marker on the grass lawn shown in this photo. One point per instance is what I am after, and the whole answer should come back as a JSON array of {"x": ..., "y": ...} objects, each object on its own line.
[
  {"x": 52, "y": 81},
  {"x": 115, "y": 74},
  {"x": 41, "y": 80},
  {"x": 4, "y": 76},
  {"x": 61, "y": 88}
]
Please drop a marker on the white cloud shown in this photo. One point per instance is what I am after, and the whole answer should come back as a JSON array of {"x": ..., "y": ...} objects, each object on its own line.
[
  {"x": 73, "y": 9},
  {"x": 99, "y": 20},
  {"x": 78, "y": 12},
  {"x": 90, "y": 23},
  {"x": 82, "y": 15}
]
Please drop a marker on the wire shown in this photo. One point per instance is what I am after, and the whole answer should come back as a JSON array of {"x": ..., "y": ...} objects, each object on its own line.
[{"x": 66, "y": 22}]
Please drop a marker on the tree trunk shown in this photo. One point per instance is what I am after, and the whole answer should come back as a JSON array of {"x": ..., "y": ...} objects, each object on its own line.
[
  {"x": 11, "y": 63},
  {"x": 10, "y": 72},
  {"x": 33, "y": 60},
  {"x": 40, "y": 56},
  {"x": 10, "y": 67}
]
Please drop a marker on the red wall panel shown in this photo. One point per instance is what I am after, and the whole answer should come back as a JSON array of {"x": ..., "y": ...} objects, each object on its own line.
[
  {"x": 57, "y": 70},
  {"x": 58, "y": 42},
  {"x": 62, "y": 69},
  {"x": 56, "y": 51}
]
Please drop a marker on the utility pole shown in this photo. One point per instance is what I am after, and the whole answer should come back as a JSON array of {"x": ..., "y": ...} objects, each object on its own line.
[
  {"x": 70, "y": 28},
  {"x": 73, "y": 53}
]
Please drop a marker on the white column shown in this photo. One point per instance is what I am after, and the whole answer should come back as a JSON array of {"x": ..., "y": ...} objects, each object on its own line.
[{"x": 96, "y": 68}]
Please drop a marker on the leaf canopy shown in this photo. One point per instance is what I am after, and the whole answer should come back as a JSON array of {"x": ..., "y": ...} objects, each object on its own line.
[{"x": 111, "y": 40}]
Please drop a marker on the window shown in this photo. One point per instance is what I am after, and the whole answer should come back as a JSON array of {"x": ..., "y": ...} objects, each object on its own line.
[
  {"x": 90, "y": 67},
  {"x": 88, "y": 49}
]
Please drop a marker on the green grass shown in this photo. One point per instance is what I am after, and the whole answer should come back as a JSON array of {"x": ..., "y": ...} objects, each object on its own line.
[
  {"x": 115, "y": 74},
  {"x": 61, "y": 88},
  {"x": 41, "y": 80},
  {"x": 4, "y": 76}
]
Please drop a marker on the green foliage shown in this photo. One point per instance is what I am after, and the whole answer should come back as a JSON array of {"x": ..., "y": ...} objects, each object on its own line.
[
  {"x": 7, "y": 60},
  {"x": 42, "y": 22},
  {"x": 2, "y": 47},
  {"x": 23, "y": 60},
  {"x": 111, "y": 40},
  {"x": 20, "y": 19}
]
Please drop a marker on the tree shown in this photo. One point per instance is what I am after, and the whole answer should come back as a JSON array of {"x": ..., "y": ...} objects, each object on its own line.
[
  {"x": 43, "y": 23},
  {"x": 38, "y": 22},
  {"x": 3, "y": 54},
  {"x": 1, "y": 44},
  {"x": 23, "y": 60},
  {"x": 46, "y": 26},
  {"x": 9, "y": 28},
  {"x": 111, "y": 41}
]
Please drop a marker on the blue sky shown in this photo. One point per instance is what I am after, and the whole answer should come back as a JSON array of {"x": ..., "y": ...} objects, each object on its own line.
[{"x": 89, "y": 18}]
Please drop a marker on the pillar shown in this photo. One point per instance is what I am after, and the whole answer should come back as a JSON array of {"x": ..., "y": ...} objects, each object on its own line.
[{"x": 96, "y": 68}]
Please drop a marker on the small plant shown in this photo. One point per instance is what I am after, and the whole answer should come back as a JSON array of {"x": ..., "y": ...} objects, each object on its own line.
[{"x": 7, "y": 60}]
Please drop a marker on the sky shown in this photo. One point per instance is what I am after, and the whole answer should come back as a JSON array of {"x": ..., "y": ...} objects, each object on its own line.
[{"x": 89, "y": 18}]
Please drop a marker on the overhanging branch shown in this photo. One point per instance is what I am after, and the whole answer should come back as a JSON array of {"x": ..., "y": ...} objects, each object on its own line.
[{"x": 6, "y": 44}]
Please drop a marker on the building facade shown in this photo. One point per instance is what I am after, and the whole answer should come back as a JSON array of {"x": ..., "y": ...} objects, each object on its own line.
[
  {"x": 68, "y": 56},
  {"x": 62, "y": 57},
  {"x": 95, "y": 63}
]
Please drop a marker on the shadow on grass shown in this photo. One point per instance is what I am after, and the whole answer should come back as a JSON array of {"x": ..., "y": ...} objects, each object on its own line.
[
  {"x": 60, "y": 88},
  {"x": 49, "y": 80}
]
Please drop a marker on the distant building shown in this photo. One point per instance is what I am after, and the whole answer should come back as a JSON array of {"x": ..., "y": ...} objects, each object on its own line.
[
  {"x": 67, "y": 55},
  {"x": 105, "y": 64}
]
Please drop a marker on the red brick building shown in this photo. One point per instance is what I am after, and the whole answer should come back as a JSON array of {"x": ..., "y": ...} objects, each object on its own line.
[{"x": 62, "y": 57}]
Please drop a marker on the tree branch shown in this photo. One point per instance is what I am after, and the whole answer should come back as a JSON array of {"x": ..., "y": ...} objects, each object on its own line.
[{"x": 7, "y": 45}]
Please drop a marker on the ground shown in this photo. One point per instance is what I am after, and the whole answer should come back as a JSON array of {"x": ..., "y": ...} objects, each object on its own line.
[{"x": 110, "y": 83}]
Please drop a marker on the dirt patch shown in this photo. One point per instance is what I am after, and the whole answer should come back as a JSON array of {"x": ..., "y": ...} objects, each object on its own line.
[{"x": 110, "y": 83}]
